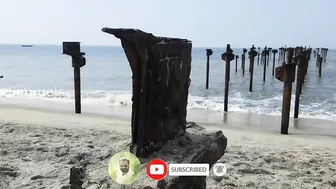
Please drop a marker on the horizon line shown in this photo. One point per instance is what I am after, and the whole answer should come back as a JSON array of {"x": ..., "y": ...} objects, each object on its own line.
[{"x": 103, "y": 45}]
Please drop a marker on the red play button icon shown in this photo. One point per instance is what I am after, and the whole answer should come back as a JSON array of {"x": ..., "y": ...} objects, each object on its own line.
[{"x": 157, "y": 169}]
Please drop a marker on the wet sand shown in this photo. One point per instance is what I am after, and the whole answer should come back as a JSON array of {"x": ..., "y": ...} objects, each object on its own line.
[{"x": 38, "y": 148}]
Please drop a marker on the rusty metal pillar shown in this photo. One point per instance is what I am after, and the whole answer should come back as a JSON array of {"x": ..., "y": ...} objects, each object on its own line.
[
  {"x": 323, "y": 54},
  {"x": 208, "y": 54},
  {"x": 302, "y": 60},
  {"x": 252, "y": 54},
  {"x": 326, "y": 54},
  {"x": 305, "y": 66},
  {"x": 78, "y": 60},
  {"x": 314, "y": 52},
  {"x": 286, "y": 74},
  {"x": 269, "y": 54},
  {"x": 258, "y": 56},
  {"x": 264, "y": 54},
  {"x": 284, "y": 55},
  {"x": 228, "y": 56},
  {"x": 274, "y": 51},
  {"x": 308, "y": 54},
  {"x": 237, "y": 57},
  {"x": 319, "y": 62},
  {"x": 280, "y": 54},
  {"x": 243, "y": 61}
]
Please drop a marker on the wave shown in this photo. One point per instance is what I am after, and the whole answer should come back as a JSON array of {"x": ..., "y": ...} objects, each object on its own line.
[{"x": 237, "y": 102}]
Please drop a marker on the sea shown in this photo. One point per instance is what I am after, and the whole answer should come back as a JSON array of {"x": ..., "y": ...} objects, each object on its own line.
[{"x": 42, "y": 77}]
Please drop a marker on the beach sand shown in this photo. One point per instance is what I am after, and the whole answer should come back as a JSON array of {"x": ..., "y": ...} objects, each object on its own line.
[{"x": 38, "y": 148}]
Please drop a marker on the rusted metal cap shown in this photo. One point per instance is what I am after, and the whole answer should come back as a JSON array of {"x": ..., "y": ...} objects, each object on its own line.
[
  {"x": 228, "y": 55},
  {"x": 209, "y": 52},
  {"x": 252, "y": 52}
]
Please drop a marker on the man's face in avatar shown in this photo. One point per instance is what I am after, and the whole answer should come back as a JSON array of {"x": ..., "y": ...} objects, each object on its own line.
[{"x": 124, "y": 166}]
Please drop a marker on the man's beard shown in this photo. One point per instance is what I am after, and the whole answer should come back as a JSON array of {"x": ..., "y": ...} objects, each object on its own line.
[{"x": 124, "y": 170}]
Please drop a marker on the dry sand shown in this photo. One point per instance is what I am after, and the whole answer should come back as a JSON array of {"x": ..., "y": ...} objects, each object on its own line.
[{"x": 37, "y": 150}]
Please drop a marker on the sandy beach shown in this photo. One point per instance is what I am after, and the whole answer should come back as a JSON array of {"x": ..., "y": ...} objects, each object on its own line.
[{"x": 38, "y": 148}]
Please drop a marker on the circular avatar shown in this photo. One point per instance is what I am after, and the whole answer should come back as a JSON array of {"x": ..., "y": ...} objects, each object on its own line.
[{"x": 124, "y": 168}]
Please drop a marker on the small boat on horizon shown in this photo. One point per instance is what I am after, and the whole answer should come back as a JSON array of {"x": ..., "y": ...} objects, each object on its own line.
[{"x": 27, "y": 45}]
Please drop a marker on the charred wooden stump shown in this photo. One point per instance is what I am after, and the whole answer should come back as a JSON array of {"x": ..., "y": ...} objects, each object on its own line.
[
  {"x": 77, "y": 177},
  {"x": 161, "y": 69}
]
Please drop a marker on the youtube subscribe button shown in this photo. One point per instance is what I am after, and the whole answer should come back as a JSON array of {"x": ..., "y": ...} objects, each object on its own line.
[
  {"x": 188, "y": 169},
  {"x": 157, "y": 169}
]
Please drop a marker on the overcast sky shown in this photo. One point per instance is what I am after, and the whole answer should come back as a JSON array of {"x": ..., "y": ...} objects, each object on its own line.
[{"x": 208, "y": 23}]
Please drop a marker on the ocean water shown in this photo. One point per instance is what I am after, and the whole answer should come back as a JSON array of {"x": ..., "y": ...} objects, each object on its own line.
[{"x": 42, "y": 75}]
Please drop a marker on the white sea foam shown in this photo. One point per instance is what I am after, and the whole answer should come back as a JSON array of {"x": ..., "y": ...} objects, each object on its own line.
[{"x": 237, "y": 102}]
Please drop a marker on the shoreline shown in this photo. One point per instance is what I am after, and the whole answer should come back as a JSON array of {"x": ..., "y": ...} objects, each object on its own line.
[
  {"x": 235, "y": 120},
  {"x": 103, "y": 106}
]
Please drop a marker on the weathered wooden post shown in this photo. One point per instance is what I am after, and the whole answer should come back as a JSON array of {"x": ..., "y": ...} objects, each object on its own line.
[
  {"x": 208, "y": 54},
  {"x": 228, "y": 56},
  {"x": 318, "y": 50},
  {"x": 161, "y": 78},
  {"x": 78, "y": 60},
  {"x": 302, "y": 58},
  {"x": 252, "y": 53},
  {"x": 258, "y": 56},
  {"x": 264, "y": 54},
  {"x": 243, "y": 61},
  {"x": 274, "y": 51},
  {"x": 269, "y": 54},
  {"x": 237, "y": 57},
  {"x": 286, "y": 74}
]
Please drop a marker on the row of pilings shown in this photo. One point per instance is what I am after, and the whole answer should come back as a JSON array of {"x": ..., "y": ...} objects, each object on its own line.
[
  {"x": 289, "y": 58},
  {"x": 293, "y": 67}
]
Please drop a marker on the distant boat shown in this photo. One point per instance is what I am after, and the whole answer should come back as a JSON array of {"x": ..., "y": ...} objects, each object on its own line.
[{"x": 27, "y": 45}]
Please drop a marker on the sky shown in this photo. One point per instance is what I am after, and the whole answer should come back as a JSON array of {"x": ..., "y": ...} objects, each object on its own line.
[{"x": 207, "y": 23}]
